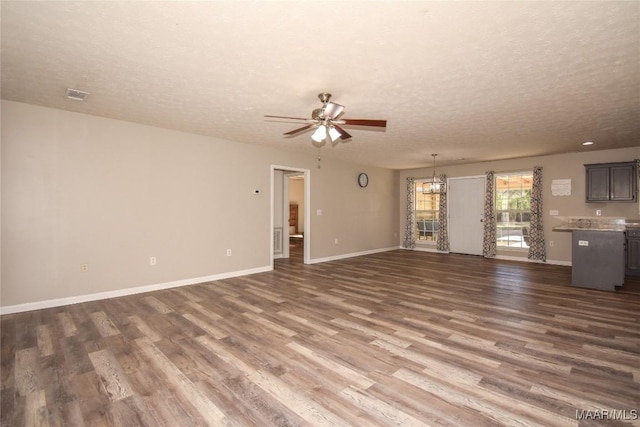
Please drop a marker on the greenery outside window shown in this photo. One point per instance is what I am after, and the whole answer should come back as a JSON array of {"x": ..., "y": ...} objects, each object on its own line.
[
  {"x": 513, "y": 209},
  {"x": 427, "y": 213}
]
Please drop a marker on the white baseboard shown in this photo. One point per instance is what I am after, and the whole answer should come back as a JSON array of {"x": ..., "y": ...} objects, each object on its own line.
[
  {"x": 428, "y": 249},
  {"x": 38, "y": 305},
  {"x": 351, "y": 255},
  {"x": 524, "y": 259},
  {"x": 558, "y": 262},
  {"x": 504, "y": 257}
]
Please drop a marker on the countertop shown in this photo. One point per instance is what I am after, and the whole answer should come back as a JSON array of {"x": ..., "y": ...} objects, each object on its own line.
[
  {"x": 599, "y": 227},
  {"x": 596, "y": 224}
]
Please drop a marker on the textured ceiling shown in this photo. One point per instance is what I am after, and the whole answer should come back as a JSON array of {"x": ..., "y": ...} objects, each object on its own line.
[{"x": 467, "y": 80}]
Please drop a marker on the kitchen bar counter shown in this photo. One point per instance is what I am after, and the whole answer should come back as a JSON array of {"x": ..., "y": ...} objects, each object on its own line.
[
  {"x": 597, "y": 259},
  {"x": 595, "y": 227},
  {"x": 593, "y": 224},
  {"x": 597, "y": 250}
]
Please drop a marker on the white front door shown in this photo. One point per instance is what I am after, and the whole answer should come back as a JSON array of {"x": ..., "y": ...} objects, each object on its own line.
[{"x": 466, "y": 212}]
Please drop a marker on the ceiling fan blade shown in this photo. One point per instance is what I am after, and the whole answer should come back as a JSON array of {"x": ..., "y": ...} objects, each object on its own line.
[
  {"x": 343, "y": 133},
  {"x": 292, "y": 132},
  {"x": 284, "y": 117},
  {"x": 333, "y": 110},
  {"x": 365, "y": 122}
]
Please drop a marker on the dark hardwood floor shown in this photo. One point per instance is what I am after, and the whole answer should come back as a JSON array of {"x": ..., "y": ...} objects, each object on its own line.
[{"x": 395, "y": 338}]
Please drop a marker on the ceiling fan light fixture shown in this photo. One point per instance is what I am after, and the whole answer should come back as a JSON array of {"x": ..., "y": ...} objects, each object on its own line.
[
  {"x": 326, "y": 122},
  {"x": 320, "y": 134},
  {"x": 333, "y": 134}
]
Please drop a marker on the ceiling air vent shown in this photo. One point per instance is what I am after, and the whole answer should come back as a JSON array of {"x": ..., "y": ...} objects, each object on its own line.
[{"x": 76, "y": 95}]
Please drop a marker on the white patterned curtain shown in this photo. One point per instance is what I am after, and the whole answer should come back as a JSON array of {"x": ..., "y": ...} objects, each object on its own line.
[
  {"x": 410, "y": 224},
  {"x": 442, "y": 243},
  {"x": 537, "y": 248},
  {"x": 489, "y": 248}
]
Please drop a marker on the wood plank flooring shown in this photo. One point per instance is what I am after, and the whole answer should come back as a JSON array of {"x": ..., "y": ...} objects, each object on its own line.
[{"x": 397, "y": 338}]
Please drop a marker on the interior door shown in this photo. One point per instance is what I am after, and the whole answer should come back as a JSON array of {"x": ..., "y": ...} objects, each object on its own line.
[{"x": 466, "y": 213}]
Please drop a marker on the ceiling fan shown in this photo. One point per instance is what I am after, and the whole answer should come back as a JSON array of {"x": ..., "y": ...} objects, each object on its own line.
[{"x": 328, "y": 120}]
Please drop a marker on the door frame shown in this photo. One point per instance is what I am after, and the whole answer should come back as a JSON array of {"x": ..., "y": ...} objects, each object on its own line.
[
  {"x": 285, "y": 207},
  {"x": 307, "y": 214}
]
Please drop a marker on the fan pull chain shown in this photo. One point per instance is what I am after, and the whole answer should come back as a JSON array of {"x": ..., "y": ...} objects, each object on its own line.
[{"x": 318, "y": 158}]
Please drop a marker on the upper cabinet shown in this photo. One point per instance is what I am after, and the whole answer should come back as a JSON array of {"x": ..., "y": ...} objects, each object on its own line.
[{"x": 612, "y": 182}]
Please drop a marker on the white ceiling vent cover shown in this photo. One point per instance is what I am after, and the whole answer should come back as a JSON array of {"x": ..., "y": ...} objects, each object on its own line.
[{"x": 76, "y": 95}]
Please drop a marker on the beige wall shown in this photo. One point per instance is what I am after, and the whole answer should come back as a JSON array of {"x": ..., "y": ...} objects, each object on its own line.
[
  {"x": 81, "y": 189},
  {"x": 561, "y": 166}
]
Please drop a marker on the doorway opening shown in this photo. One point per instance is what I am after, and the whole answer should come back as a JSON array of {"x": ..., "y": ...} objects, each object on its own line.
[
  {"x": 290, "y": 218},
  {"x": 297, "y": 208}
]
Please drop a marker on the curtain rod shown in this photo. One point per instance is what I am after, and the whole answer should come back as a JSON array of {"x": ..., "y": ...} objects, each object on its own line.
[{"x": 512, "y": 172}]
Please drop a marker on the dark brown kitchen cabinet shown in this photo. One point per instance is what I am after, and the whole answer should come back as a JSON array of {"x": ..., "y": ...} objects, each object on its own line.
[
  {"x": 633, "y": 252},
  {"x": 612, "y": 182}
]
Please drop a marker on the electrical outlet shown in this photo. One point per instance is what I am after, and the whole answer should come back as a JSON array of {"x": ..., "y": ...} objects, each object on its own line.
[
  {"x": 335, "y": 241},
  {"x": 84, "y": 267},
  {"x": 550, "y": 243},
  {"x": 152, "y": 260},
  {"x": 554, "y": 212},
  {"x": 228, "y": 252},
  {"x": 583, "y": 243},
  {"x": 598, "y": 212}
]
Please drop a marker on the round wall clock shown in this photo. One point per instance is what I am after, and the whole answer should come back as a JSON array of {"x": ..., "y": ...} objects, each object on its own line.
[{"x": 363, "y": 180}]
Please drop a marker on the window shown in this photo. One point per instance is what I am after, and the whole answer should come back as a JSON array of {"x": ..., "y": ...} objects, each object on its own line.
[
  {"x": 427, "y": 214},
  {"x": 513, "y": 209}
]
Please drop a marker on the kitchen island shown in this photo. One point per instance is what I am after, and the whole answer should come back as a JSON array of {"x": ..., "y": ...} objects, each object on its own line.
[
  {"x": 597, "y": 252},
  {"x": 597, "y": 259}
]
